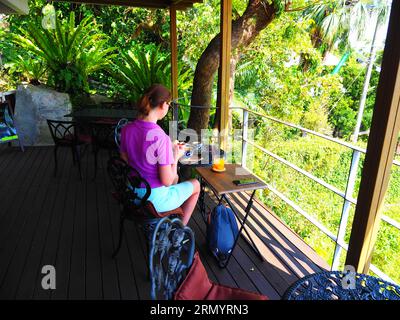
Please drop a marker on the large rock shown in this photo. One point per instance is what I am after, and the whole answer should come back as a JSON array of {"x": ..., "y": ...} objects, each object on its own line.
[{"x": 33, "y": 106}]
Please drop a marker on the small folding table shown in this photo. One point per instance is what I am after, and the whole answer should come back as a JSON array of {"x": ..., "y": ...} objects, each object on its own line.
[{"x": 221, "y": 184}]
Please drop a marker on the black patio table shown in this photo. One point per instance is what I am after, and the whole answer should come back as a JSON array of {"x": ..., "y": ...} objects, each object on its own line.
[
  {"x": 340, "y": 285},
  {"x": 93, "y": 114}
]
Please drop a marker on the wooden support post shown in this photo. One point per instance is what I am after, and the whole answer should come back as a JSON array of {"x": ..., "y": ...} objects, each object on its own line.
[
  {"x": 224, "y": 70},
  {"x": 174, "y": 52},
  {"x": 245, "y": 137},
  {"x": 380, "y": 152}
]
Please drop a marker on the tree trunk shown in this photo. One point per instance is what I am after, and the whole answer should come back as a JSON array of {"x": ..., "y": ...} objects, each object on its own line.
[{"x": 245, "y": 29}]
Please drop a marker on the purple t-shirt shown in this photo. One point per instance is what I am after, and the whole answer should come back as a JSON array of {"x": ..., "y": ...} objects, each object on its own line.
[{"x": 148, "y": 147}]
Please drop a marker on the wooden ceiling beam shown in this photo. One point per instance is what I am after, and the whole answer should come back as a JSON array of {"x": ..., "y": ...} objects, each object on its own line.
[{"x": 152, "y": 4}]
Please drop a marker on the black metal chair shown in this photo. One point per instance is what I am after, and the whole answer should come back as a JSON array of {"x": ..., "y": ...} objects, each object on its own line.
[
  {"x": 177, "y": 272},
  {"x": 102, "y": 138},
  {"x": 171, "y": 256},
  {"x": 125, "y": 180},
  {"x": 117, "y": 130},
  {"x": 68, "y": 134},
  {"x": 106, "y": 136}
]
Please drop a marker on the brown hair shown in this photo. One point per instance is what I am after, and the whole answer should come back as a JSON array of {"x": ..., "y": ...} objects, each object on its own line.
[{"x": 152, "y": 98}]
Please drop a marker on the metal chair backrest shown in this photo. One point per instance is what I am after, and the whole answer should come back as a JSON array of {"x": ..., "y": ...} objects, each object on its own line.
[
  {"x": 117, "y": 131},
  {"x": 125, "y": 180},
  {"x": 63, "y": 132},
  {"x": 171, "y": 256}
]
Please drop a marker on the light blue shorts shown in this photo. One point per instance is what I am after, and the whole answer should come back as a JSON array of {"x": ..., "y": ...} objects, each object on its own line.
[{"x": 168, "y": 198}]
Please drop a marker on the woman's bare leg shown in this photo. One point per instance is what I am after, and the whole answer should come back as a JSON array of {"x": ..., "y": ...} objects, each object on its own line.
[{"x": 189, "y": 205}]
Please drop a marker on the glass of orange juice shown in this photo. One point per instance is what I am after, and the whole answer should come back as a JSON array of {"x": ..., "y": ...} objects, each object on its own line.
[
  {"x": 219, "y": 163},
  {"x": 218, "y": 158}
]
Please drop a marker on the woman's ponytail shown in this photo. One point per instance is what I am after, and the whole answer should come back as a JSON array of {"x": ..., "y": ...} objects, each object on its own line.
[
  {"x": 144, "y": 105},
  {"x": 152, "y": 98}
]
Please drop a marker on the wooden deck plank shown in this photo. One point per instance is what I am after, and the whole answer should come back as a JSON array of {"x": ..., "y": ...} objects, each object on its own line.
[
  {"x": 279, "y": 275},
  {"x": 8, "y": 166},
  {"x": 44, "y": 251},
  {"x": 34, "y": 218},
  {"x": 63, "y": 255},
  {"x": 110, "y": 278},
  {"x": 241, "y": 269},
  {"x": 127, "y": 281},
  {"x": 293, "y": 239},
  {"x": 293, "y": 258},
  {"x": 140, "y": 259},
  {"x": 11, "y": 195},
  {"x": 17, "y": 171},
  {"x": 73, "y": 225},
  {"x": 77, "y": 272},
  {"x": 94, "y": 276},
  {"x": 9, "y": 160},
  {"x": 15, "y": 216},
  {"x": 261, "y": 275},
  {"x": 60, "y": 215}
]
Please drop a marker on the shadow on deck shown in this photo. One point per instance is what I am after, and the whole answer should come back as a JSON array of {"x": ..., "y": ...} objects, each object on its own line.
[{"x": 73, "y": 224}]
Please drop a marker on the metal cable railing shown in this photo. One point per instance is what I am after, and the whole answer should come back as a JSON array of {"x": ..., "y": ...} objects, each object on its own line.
[
  {"x": 339, "y": 239},
  {"x": 346, "y": 195}
]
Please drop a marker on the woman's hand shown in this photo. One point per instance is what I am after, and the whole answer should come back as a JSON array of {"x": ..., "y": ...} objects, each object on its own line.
[{"x": 178, "y": 150}]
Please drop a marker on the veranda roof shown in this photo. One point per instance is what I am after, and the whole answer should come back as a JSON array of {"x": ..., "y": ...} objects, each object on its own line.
[{"x": 179, "y": 4}]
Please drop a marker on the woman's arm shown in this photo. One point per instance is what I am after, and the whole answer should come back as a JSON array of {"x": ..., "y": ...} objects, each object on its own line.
[{"x": 169, "y": 173}]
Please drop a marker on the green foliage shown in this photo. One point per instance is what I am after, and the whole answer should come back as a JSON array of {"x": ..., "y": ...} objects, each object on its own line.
[
  {"x": 6, "y": 82},
  {"x": 343, "y": 110},
  {"x": 140, "y": 67},
  {"x": 196, "y": 36},
  {"x": 279, "y": 7},
  {"x": 332, "y": 21},
  {"x": 270, "y": 74},
  {"x": 71, "y": 53},
  {"x": 32, "y": 69},
  {"x": 323, "y": 159}
]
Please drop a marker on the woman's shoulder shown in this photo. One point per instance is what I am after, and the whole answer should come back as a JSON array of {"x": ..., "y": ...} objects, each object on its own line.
[{"x": 148, "y": 128}]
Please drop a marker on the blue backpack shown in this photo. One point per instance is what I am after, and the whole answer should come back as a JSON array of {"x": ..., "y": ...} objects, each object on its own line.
[{"x": 222, "y": 231}]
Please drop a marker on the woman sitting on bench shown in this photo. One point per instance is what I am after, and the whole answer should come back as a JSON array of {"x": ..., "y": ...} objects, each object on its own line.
[{"x": 148, "y": 149}]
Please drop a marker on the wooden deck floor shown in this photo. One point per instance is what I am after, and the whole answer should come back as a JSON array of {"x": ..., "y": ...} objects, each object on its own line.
[{"x": 72, "y": 225}]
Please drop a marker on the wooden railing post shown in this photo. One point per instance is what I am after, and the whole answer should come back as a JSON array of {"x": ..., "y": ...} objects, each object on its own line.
[
  {"x": 224, "y": 70},
  {"x": 174, "y": 52},
  {"x": 245, "y": 136},
  {"x": 380, "y": 152},
  {"x": 174, "y": 70}
]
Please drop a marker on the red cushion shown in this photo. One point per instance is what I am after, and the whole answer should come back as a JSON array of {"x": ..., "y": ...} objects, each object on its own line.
[
  {"x": 85, "y": 138},
  {"x": 197, "y": 286}
]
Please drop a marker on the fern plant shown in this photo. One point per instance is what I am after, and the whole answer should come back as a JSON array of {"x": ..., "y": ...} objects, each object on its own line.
[
  {"x": 71, "y": 53},
  {"x": 140, "y": 68},
  {"x": 33, "y": 70}
]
